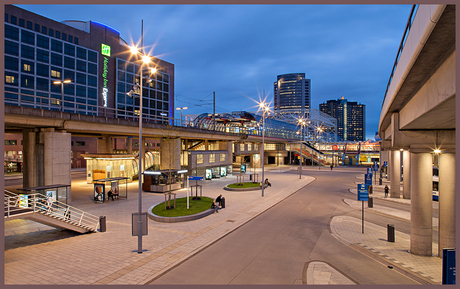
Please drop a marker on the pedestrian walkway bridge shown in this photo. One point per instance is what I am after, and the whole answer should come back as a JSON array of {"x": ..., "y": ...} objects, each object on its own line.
[{"x": 38, "y": 208}]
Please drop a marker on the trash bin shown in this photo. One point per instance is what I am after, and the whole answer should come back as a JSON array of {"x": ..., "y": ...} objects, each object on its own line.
[
  {"x": 250, "y": 177},
  {"x": 102, "y": 224},
  {"x": 380, "y": 181},
  {"x": 391, "y": 233},
  {"x": 370, "y": 202},
  {"x": 222, "y": 202}
]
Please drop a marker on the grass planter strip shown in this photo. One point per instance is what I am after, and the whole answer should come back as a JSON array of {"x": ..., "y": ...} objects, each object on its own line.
[
  {"x": 195, "y": 207},
  {"x": 245, "y": 185}
]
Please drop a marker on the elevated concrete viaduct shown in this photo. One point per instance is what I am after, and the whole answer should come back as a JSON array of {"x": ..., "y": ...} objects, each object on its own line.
[{"x": 417, "y": 121}]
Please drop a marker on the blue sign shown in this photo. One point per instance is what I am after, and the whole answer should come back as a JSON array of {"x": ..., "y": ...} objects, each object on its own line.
[
  {"x": 195, "y": 178},
  {"x": 243, "y": 168},
  {"x": 369, "y": 171},
  {"x": 368, "y": 179},
  {"x": 448, "y": 266},
  {"x": 363, "y": 194},
  {"x": 385, "y": 163},
  {"x": 376, "y": 166}
]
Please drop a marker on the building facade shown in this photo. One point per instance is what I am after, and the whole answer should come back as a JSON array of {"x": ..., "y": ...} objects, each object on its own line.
[
  {"x": 93, "y": 60},
  {"x": 292, "y": 94},
  {"x": 350, "y": 118}
]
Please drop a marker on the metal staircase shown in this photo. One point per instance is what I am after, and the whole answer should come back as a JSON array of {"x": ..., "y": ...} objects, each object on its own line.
[
  {"x": 39, "y": 208},
  {"x": 308, "y": 151}
]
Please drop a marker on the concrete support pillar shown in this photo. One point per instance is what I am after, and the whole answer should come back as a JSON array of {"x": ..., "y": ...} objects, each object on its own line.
[
  {"x": 406, "y": 174},
  {"x": 421, "y": 203},
  {"x": 395, "y": 172},
  {"x": 109, "y": 144},
  {"x": 446, "y": 202},
  {"x": 47, "y": 158},
  {"x": 32, "y": 159},
  {"x": 170, "y": 153},
  {"x": 129, "y": 145},
  {"x": 388, "y": 165}
]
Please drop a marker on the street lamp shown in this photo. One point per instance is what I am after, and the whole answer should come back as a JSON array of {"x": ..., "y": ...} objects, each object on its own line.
[
  {"x": 265, "y": 111},
  {"x": 145, "y": 60},
  {"x": 61, "y": 82},
  {"x": 302, "y": 124},
  {"x": 181, "y": 108}
]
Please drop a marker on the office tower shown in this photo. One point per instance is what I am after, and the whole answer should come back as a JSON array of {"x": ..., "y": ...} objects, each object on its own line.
[
  {"x": 350, "y": 118},
  {"x": 292, "y": 94}
]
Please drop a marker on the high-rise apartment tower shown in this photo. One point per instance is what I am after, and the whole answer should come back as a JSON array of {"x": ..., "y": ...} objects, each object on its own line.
[
  {"x": 350, "y": 118},
  {"x": 292, "y": 93}
]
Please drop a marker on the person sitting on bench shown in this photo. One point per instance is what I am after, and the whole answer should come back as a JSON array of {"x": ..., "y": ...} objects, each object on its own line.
[
  {"x": 268, "y": 183},
  {"x": 215, "y": 205},
  {"x": 219, "y": 200},
  {"x": 110, "y": 195}
]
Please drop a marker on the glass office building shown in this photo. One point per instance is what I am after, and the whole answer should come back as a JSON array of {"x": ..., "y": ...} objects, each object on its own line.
[
  {"x": 350, "y": 118},
  {"x": 92, "y": 62},
  {"x": 292, "y": 94}
]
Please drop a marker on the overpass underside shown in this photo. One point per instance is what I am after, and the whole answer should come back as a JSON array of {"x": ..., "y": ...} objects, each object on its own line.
[{"x": 417, "y": 125}]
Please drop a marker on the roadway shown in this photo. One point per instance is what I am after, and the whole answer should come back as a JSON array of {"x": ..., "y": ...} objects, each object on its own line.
[
  {"x": 283, "y": 244},
  {"x": 277, "y": 246}
]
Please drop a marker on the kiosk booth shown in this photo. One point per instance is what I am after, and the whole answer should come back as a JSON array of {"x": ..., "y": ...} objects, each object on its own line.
[{"x": 160, "y": 181}]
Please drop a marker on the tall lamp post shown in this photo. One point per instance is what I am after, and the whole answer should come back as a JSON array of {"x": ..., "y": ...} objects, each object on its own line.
[
  {"x": 145, "y": 60},
  {"x": 61, "y": 82},
  {"x": 302, "y": 124},
  {"x": 181, "y": 108},
  {"x": 265, "y": 111}
]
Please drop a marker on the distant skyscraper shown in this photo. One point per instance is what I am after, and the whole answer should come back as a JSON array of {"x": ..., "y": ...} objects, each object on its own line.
[
  {"x": 292, "y": 93},
  {"x": 350, "y": 118}
]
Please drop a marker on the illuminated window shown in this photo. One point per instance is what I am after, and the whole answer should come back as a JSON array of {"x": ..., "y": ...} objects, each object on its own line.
[
  {"x": 256, "y": 147},
  {"x": 55, "y": 73},
  {"x": 222, "y": 157},
  {"x": 249, "y": 147},
  {"x": 10, "y": 79},
  {"x": 199, "y": 158},
  {"x": 212, "y": 158},
  {"x": 26, "y": 67},
  {"x": 242, "y": 147}
]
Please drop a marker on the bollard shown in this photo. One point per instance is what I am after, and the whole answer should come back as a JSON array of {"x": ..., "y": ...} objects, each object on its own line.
[
  {"x": 102, "y": 224},
  {"x": 391, "y": 233},
  {"x": 222, "y": 202},
  {"x": 370, "y": 202}
]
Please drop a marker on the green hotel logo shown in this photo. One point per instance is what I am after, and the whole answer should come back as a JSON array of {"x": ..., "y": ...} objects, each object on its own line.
[{"x": 105, "y": 50}]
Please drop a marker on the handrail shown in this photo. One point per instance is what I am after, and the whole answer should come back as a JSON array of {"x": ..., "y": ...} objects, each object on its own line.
[
  {"x": 401, "y": 46},
  {"x": 39, "y": 203}
]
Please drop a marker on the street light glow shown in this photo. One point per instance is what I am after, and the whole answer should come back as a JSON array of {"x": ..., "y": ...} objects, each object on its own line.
[
  {"x": 146, "y": 59},
  {"x": 134, "y": 50}
]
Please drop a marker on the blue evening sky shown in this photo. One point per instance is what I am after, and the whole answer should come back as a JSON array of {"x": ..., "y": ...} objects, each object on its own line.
[{"x": 238, "y": 50}]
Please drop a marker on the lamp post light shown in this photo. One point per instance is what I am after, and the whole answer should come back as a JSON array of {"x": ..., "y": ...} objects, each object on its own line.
[
  {"x": 181, "y": 108},
  {"x": 145, "y": 60},
  {"x": 61, "y": 82},
  {"x": 265, "y": 111},
  {"x": 302, "y": 124}
]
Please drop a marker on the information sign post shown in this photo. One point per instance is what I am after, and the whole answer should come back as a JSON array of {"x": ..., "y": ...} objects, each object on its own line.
[
  {"x": 191, "y": 178},
  {"x": 376, "y": 168},
  {"x": 363, "y": 195}
]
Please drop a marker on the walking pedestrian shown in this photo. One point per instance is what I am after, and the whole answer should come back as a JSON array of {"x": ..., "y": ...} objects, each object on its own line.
[
  {"x": 332, "y": 166},
  {"x": 386, "y": 191}
]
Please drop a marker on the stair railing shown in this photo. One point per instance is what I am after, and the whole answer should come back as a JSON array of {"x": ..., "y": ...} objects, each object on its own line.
[{"x": 39, "y": 203}]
